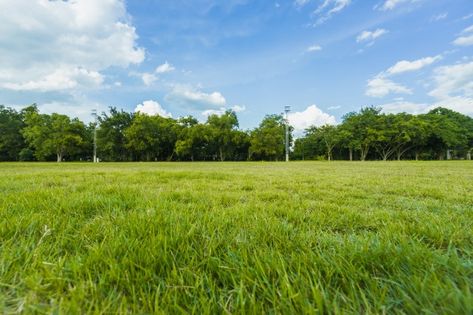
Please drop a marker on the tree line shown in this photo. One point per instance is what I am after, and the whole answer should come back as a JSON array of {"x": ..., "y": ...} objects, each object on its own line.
[{"x": 28, "y": 135}]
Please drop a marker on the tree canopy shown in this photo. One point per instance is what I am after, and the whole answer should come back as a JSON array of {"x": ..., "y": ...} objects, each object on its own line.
[{"x": 121, "y": 136}]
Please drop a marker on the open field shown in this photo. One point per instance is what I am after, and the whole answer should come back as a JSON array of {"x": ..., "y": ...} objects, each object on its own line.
[{"x": 307, "y": 237}]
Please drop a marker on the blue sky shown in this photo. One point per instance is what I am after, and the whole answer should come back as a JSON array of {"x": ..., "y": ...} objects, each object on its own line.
[{"x": 322, "y": 57}]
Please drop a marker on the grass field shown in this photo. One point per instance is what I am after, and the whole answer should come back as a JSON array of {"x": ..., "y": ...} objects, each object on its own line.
[{"x": 303, "y": 237}]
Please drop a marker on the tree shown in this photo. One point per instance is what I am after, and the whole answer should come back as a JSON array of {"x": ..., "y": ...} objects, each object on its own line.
[
  {"x": 11, "y": 139},
  {"x": 111, "y": 135},
  {"x": 347, "y": 134},
  {"x": 362, "y": 126},
  {"x": 222, "y": 131},
  {"x": 328, "y": 135},
  {"x": 414, "y": 134},
  {"x": 193, "y": 139},
  {"x": 446, "y": 131},
  {"x": 53, "y": 134},
  {"x": 389, "y": 134},
  {"x": 268, "y": 140},
  {"x": 151, "y": 137}
]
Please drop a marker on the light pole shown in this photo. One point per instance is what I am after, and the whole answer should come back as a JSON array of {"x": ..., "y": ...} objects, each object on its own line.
[
  {"x": 94, "y": 114},
  {"x": 287, "y": 109}
]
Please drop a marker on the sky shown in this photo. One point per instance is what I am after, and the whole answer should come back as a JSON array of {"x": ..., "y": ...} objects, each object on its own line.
[{"x": 324, "y": 58}]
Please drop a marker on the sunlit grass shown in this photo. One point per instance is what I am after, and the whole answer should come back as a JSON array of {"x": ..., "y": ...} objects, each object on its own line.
[{"x": 309, "y": 237}]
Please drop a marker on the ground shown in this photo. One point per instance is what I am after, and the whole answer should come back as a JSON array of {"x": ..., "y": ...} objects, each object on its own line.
[{"x": 299, "y": 237}]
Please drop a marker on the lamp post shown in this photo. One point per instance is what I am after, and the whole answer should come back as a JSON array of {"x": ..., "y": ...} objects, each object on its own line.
[
  {"x": 94, "y": 114},
  {"x": 287, "y": 109}
]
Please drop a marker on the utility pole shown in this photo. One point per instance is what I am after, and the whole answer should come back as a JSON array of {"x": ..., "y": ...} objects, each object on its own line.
[
  {"x": 94, "y": 114},
  {"x": 287, "y": 109}
]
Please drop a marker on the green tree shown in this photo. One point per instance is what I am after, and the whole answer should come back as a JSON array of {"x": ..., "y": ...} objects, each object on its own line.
[
  {"x": 223, "y": 130},
  {"x": 447, "y": 131},
  {"x": 268, "y": 140},
  {"x": 363, "y": 130},
  {"x": 327, "y": 135},
  {"x": 193, "y": 139},
  {"x": 11, "y": 139},
  {"x": 53, "y": 134},
  {"x": 151, "y": 137},
  {"x": 111, "y": 135}
]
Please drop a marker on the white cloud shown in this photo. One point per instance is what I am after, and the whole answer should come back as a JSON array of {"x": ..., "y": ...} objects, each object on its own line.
[
  {"x": 380, "y": 87},
  {"x": 454, "y": 87},
  {"x": 301, "y": 3},
  {"x": 63, "y": 45},
  {"x": 186, "y": 95},
  {"x": 311, "y": 116},
  {"x": 370, "y": 36},
  {"x": 453, "y": 80},
  {"x": 152, "y": 108},
  {"x": 63, "y": 78},
  {"x": 328, "y": 8},
  {"x": 238, "y": 108},
  {"x": 466, "y": 39},
  {"x": 164, "y": 68},
  {"x": 439, "y": 17},
  {"x": 407, "y": 66},
  {"x": 334, "y": 107},
  {"x": 218, "y": 112},
  {"x": 405, "y": 106},
  {"x": 467, "y": 17},
  {"x": 148, "y": 78},
  {"x": 222, "y": 110},
  {"x": 314, "y": 48},
  {"x": 392, "y": 4}
]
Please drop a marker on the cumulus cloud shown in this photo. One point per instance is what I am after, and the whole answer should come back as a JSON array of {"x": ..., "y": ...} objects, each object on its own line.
[
  {"x": 311, "y": 116},
  {"x": 407, "y": 66},
  {"x": 314, "y": 48},
  {"x": 63, "y": 45},
  {"x": 152, "y": 108},
  {"x": 380, "y": 87},
  {"x": 189, "y": 96},
  {"x": 164, "y": 68},
  {"x": 222, "y": 110},
  {"x": 370, "y": 36},
  {"x": 454, "y": 87},
  {"x": 148, "y": 78},
  {"x": 63, "y": 78},
  {"x": 405, "y": 107},
  {"x": 466, "y": 37}
]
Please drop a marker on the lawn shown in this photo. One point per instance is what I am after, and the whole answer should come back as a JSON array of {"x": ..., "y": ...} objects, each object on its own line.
[{"x": 209, "y": 238}]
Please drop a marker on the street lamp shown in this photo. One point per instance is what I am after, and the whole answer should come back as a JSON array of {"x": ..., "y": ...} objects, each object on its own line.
[
  {"x": 287, "y": 109},
  {"x": 94, "y": 114}
]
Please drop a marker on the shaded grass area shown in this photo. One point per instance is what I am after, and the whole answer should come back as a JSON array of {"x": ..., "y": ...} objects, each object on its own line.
[{"x": 209, "y": 238}]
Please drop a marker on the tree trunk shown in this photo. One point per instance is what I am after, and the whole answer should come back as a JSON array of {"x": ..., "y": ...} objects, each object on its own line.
[
  {"x": 59, "y": 157},
  {"x": 468, "y": 156},
  {"x": 350, "y": 150},
  {"x": 363, "y": 153},
  {"x": 221, "y": 154},
  {"x": 417, "y": 156}
]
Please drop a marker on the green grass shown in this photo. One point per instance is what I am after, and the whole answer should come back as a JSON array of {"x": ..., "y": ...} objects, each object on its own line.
[{"x": 211, "y": 238}]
